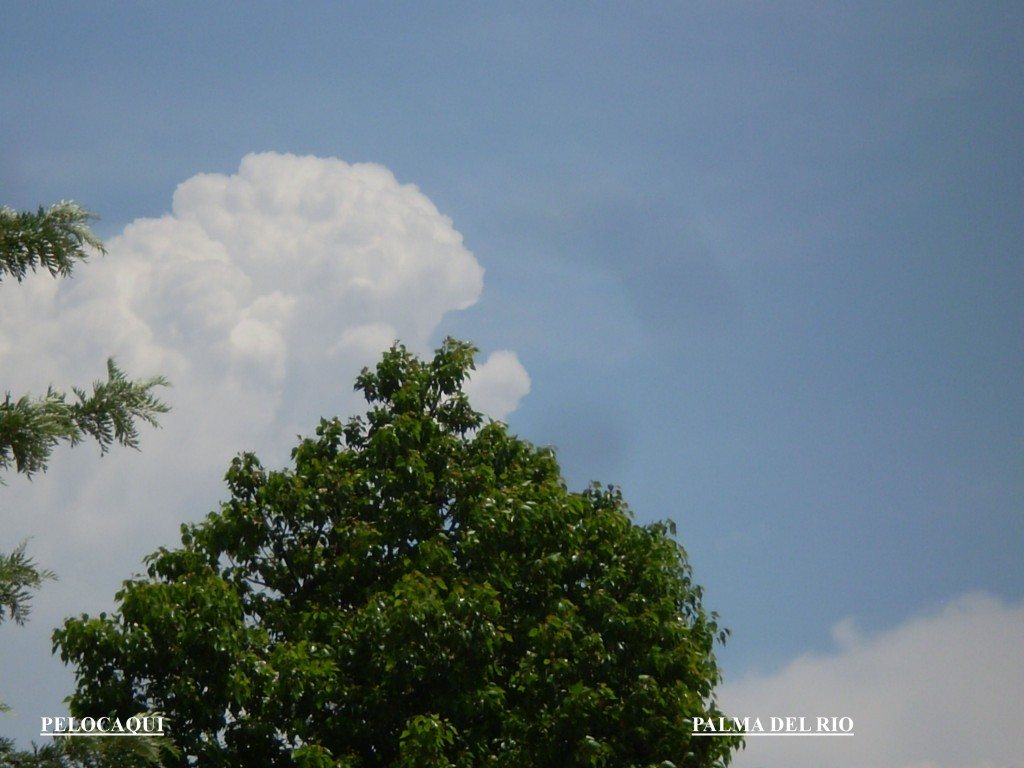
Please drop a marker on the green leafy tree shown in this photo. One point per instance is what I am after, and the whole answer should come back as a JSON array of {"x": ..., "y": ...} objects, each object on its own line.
[{"x": 419, "y": 590}]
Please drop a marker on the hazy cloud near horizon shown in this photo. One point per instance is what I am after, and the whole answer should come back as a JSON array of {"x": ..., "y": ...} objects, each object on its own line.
[{"x": 941, "y": 690}]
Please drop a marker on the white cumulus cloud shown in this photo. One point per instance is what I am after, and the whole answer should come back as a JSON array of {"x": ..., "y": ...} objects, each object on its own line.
[
  {"x": 942, "y": 690},
  {"x": 498, "y": 384}
]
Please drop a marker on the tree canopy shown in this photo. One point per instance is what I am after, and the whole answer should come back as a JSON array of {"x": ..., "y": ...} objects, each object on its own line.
[{"x": 419, "y": 589}]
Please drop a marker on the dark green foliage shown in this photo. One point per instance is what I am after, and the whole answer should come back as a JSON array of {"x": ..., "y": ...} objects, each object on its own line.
[
  {"x": 77, "y": 752},
  {"x": 30, "y": 428},
  {"x": 53, "y": 238},
  {"x": 421, "y": 589},
  {"x": 18, "y": 575}
]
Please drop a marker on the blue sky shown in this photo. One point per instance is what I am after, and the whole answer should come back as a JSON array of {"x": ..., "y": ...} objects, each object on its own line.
[{"x": 762, "y": 263}]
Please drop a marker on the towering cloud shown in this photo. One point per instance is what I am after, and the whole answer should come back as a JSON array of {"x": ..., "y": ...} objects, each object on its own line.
[{"x": 942, "y": 690}]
